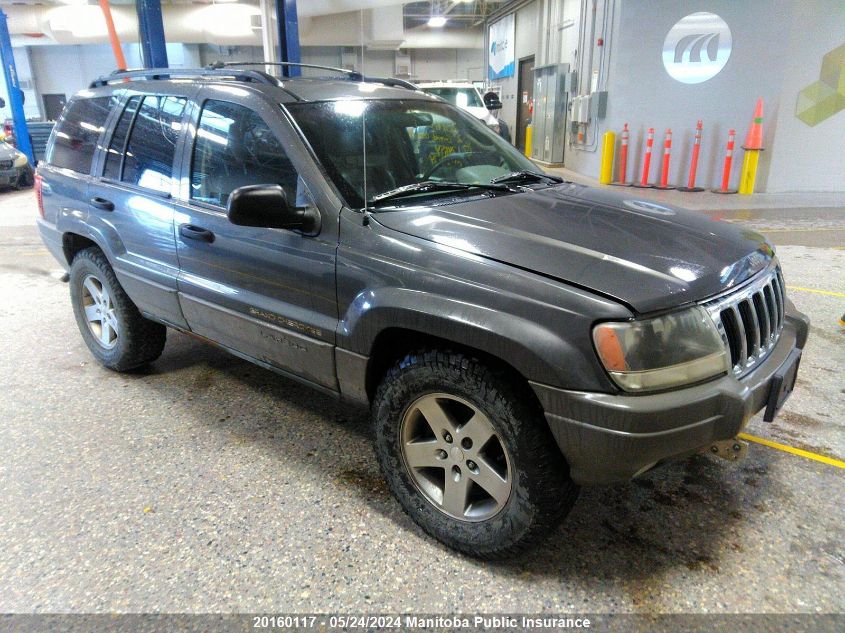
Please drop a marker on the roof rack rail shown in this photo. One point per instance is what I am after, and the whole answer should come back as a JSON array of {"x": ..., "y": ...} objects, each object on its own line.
[
  {"x": 228, "y": 70},
  {"x": 152, "y": 74},
  {"x": 351, "y": 74},
  {"x": 393, "y": 82}
]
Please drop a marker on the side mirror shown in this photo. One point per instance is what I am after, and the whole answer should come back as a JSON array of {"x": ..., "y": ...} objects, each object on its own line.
[{"x": 266, "y": 206}]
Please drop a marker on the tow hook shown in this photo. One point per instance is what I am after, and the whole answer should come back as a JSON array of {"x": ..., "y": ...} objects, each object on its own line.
[{"x": 732, "y": 450}]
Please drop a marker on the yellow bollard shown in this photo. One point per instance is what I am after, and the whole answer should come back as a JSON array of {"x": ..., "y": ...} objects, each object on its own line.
[
  {"x": 607, "y": 147},
  {"x": 748, "y": 176},
  {"x": 529, "y": 136},
  {"x": 753, "y": 146}
]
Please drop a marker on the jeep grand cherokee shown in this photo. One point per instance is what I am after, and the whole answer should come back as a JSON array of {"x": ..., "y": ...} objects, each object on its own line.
[{"x": 515, "y": 336}]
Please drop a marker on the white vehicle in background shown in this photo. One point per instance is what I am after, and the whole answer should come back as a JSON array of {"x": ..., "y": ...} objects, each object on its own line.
[{"x": 467, "y": 96}]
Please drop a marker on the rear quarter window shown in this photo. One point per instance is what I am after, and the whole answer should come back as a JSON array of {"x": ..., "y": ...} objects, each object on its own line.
[{"x": 77, "y": 131}]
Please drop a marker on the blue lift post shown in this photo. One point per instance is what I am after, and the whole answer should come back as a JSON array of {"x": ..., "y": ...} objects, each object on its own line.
[
  {"x": 15, "y": 93},
  {"x": 288, "y": 36},
  {"x": 151, "y": 33}
]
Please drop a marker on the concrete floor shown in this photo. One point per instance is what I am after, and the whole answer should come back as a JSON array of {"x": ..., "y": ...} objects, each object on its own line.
[{"x": 204, "y": 483}]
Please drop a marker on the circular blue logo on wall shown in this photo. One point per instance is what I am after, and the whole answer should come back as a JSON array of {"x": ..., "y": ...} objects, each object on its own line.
[{"x": 697, "y": 47}]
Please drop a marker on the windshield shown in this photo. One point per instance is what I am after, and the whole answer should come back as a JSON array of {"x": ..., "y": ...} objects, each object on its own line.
[
  {"x": 369, "y": 147},
  {"x": 461, "y": 97}
]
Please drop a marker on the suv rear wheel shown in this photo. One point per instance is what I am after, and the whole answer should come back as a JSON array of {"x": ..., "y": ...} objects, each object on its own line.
[
  {"x": 111, "y": 326},
  {"x": 468, "y": 455}
]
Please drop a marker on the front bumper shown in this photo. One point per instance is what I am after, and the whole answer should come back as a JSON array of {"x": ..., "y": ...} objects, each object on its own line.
[{"x": 609, "y": 438}]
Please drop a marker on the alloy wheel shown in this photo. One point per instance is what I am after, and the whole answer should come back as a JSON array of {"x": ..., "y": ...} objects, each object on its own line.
[
  {"x": 100, "y": 312},
  {"x": 455, "y": 457}
]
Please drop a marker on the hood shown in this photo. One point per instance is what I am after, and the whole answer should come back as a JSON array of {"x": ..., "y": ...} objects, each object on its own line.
[{"x": 646, "y": 255}]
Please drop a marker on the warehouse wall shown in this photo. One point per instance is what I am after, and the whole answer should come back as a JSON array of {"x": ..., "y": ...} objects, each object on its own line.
[
  {"x": 24, "y": 68},
  {"x": 425, "y": 63},
  {"x": 772, "y": 57},
  {"x": 804, "y": 157},
  {"x": 440, "y": 64},
  {"x": 527, "y": 30},
  {"x": 68, "y": 69}
]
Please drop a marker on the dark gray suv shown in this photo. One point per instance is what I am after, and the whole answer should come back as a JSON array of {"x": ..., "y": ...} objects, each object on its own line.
[{"x": 515, "y": 336}]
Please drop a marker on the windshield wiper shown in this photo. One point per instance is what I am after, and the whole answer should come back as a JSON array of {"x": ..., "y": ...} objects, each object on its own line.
[
  {"x": 433, "y": 186},
  {"x": 526, "y": 176}
]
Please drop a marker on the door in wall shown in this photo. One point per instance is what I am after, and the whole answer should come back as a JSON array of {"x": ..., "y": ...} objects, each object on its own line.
[
  {"x": 53, "y": 105},
  {"x": 525, "y": 97}
]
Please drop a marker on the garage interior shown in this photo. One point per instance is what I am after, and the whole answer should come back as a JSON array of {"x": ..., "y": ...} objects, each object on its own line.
[{"x": 203, "y": 483}]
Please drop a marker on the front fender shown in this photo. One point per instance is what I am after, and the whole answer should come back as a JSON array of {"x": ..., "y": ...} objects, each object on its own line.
[{"x": 535, "y": 351}]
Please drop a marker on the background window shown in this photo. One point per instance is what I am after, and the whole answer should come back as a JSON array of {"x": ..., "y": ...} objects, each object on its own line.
[
  {"x": 152, "y": 143},
  {"x": 77, "y": 132},
  {"x": 114, "y": 156},
  {"x": 234, "y": 148}
]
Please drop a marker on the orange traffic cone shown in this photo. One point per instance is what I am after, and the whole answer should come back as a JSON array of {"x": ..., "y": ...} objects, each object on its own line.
[{"x": 754, "y": 140}]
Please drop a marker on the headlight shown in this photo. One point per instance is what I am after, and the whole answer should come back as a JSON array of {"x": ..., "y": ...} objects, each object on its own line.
[
  {"x": 20, "y": 159},
  {"x": 494, "y": 126},
  {"x": 666, "y": 351}
]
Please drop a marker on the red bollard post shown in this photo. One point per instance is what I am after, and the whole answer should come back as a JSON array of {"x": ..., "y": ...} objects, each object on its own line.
[
  {"x": 649, "y": 143},
  {"x": 693, "y": 166},
  {"x": 664, "y": 164},
  {"x": 726, "y": 171},
  {"x": 623, "y": 160}
]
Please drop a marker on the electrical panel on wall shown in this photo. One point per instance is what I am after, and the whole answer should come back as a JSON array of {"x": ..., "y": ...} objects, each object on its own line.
[
  {"x": 402, "y": 65},
  {"x": 349, "y": 58},
  {"x": 598, "y": 104}
]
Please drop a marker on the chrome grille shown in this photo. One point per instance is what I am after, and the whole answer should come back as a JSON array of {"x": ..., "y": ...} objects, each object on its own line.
[{"x": 750, "y": 319}]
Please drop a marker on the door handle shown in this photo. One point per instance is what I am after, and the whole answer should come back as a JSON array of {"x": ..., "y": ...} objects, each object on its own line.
[
  {"x": 102, "y": 204},
  {"x": 192, "y": 232}
]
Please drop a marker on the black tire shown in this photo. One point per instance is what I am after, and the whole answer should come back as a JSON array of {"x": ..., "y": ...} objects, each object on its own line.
[
  {"x": 138, "y": 340},
  {"x": 541, "y": 494}
]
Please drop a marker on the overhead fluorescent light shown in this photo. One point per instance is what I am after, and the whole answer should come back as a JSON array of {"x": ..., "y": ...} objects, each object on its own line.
[{"x": 437, "y": 21}]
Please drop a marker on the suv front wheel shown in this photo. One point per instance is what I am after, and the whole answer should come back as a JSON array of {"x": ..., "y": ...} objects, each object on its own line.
[
  {"x": 111, "y": 325},
  {"x": 468, "y": 454}
]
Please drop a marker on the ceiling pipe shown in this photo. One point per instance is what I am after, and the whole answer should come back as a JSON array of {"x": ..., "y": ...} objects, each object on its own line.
[{"x": 114, "y": 40}]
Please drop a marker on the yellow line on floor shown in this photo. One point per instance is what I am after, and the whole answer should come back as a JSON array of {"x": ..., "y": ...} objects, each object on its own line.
[
  {"x": 802, "y": 230},
  {"x": 817, "y": 291},
  {"x": 830, "y": 461}
]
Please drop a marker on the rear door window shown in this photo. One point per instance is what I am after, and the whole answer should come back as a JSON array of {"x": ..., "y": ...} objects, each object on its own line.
[
  {"x": 117, "y": 146},
  {"x": 77, "y": 132},
  {"x": 148, "y": 159}
]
